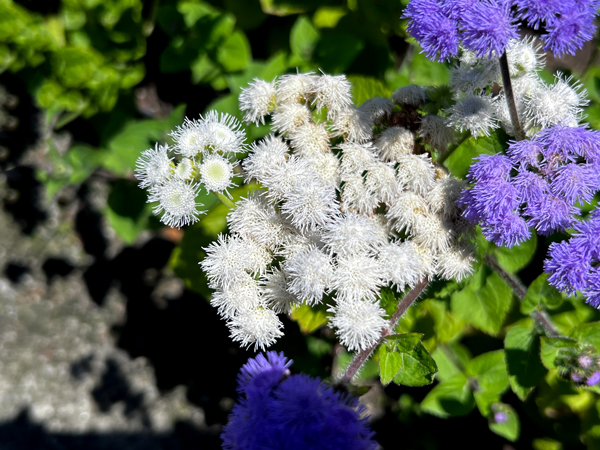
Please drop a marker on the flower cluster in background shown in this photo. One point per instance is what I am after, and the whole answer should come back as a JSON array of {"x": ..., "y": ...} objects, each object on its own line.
[
  {"x": 351, "y": 205},
  {"x": 277, "y": 410},
  {"x": 205, "y": 148},
  {"x": 485, "y": 27}
]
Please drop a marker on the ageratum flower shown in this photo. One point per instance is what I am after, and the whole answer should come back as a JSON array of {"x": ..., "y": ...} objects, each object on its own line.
[{"x": 277, "y": 410}]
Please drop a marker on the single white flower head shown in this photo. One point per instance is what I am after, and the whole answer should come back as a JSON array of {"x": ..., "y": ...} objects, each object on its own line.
[
  {"x": 354, "y": 124},
  {"x": 177, "y": 202},
  {"x": 377, "y": 108},
  {"x": 524, "y": 86},
  {"x": 309, "y": 204},
  {"x": 433, "y": 232},
  {"x": 153, "y": 166},
  {"x": 416, "y": 173},
  {"x": 470, "y": 80},
  {"x": 264, "y": 158},
  {"x": 395, "y": 142},
  {"x": 327, "y": 166},
  {"x": 435, "y": 131},
  {"x": 310, "y": 139},
  {"x": 225, "y": 133},
  {"x": 456, "y": 262},
  {"x": 257, "y": 100},
  {"x": 381, "y": 180},
  {"x": 357, "y": 277},
  {"x": 296, "y": 243},
  {"x": 356, "y": 197},
  {"x": 548, "y": 106},
  {"x": 406, "y": 210},
  {"x": 274, "y": 290},
  {"x": 216, "y": 173},
  {"x": 257, "y": 257},
  {"x": 468, "y": 58},
  {"x": 237, "y": 297},
  {"x": 400, "y": 265},
  {"x": 573, "y": 92},
  {"x": 310, "y": 274},
  {"x": 358, "y": 323},
  {"x": 282, "y": 178},
  {"x": 258, "y": 326},
  {"x": 190, "y": 138},
  {"x": 524, "y": 56},
  {"x": 226, "y": 261},
  {"x": 296, "y": 88},
  {"x": 289, "y": 116},
  {"x": 382, "y": 226},
  {"x": 184, "y": 170},
  {"x": 426, "y": 258},
  {"x": 356, "y": 158},
  {"x": 333, "y": 93},
  {"x": 412, "y": 95},
  {"x": 474, "y": 113},
  {"x": 352, "y": 234}
]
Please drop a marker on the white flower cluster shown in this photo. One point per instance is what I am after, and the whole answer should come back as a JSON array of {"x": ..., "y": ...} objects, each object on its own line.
[
  {"x": 479, "y": 110},
  {"x": 350, "y": 206},
  {"x": 205, "y": 148}
]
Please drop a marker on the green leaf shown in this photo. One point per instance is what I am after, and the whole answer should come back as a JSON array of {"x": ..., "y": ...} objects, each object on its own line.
[
  {"x": 460, "y": 160},
  {"x": 364, "y": 88},
  {"x": 517, "y": 257},
  {"x": 551, "y": 348},
  {"x": 74, "y": 66},
  {"x": 509, "y": 428},
  {"x": 336, "y": 50},
  {"x": 485, "y": 306},
  {"x": 490, "y": 373},
  {"x": 525, "y": 369},
  {"x": 127, "y": 210},
  {"x": 588, "y": 333},
  {"x": 540, "y": 292},
  {"x": 451, "y": 359},
  {"x": 418, "y": 69},
  {"x": 309, "y": 318},
  {"x": 450, "y": 398},
  {"x": 405, "y": 360},
  {"x": 303, "y": 38},
  {"x": 234, "y": 54}
]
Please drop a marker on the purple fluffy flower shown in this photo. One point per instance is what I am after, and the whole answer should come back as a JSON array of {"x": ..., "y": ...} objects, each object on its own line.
[
  {"x": 593, "y": 379},
  {"x": 593, "y": 289},
  {"x": 490, "y": 167},
  {"x": 525, "y": 152},
  {"x": 573, "y": 26},
  {"x": 550, "y": 213},
  {"x": 508, "y": 230},
  {"x": 537, "y": 11},
  {"x": 568, "y": 266},
  {"x": 576, "y": 182},
  {"x": 530, "y": 185},
  {"x": 571, "y": 143},
  {"x": 294, "y": 412},
  {"x": 486, "y": 27}
]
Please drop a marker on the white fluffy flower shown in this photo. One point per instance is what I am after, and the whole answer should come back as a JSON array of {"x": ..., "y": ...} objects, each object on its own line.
[
  {"x": 296, "y": 88},
  {"x": 406, "y": 210},
  {"x": 442, "y": 198},
  {"x": 256, "y": 100},
  {"x": 470, "y": 80},
  {"x": 225, "y": 133},
  {"x": 310, "y": 139},
  {"x": 354, "y": 124},
  {"x": 217, "y": 173},
  {"x": 433, "y": 232},
  {"x": 289, "y": 116},
  {"x": 351, "y": 234},
  {"x": 191, "y": 137},
  {"x": 412, "y": 95},
  {"x": 356, "y": 196},
  {"x": 456, "y": 262},
  {"x": 274, "y": 290},
  {"x": 416, "y": 173},
  {"x": 381, "y": 180},
  {"x": 153, "y": 166},
  {"x": 177, "y": 201},
  {"x": 237, "y": 297},
  {"x": 357, "y": 277},
  {"x": 358, "y": 323},
  {"x": 435, "y": 131},
  {"x": 378, "y": 108},
  {"x": 310, "y": 273},
  {"x": 524, "y": 56},
  {"x": 356, "y": 158},
  {"x": 184, "y": 170},
  {"x": 296, "y": 243},
  {"x": 309, "y": 204},
  {"x": 474, "y": 113},
  {"x": 426, "y": 258},
  {"x": 264, "y": 158},
  {"x": 333, "y": 93},
  {"x": 258, "y": 326},
  {"x": 282, "y": 178},
  {"x": 226, "y": 261},
  {"x": 327, "y": 166},
  {"x": 400, "y": 265},
  {"x": 395, "y": 142}
]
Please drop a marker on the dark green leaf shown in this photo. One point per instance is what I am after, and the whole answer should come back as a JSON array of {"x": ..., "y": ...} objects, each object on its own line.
[
  {"x": 540, "y": 292},
  {"x": 234, "y": 54},
  {"x": 490, "y": 373},
  {"x": 303, "y": 38},
  {"x": 525, "y": 369},
  {"x": 450, "y": 398},
  {"x": 460, "y": 160},
  {"x": 451, "y": 359},
  {"x": 336, "y": 50},
  {"x": 127, "y": 210}
]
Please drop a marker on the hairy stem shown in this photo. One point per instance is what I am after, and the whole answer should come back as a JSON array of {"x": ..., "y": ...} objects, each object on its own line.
[
  {"x": 361, "y": 357},
  {"x": 540, "y": 317},
  {"x": 227, "y": 202},
  {"x": 510, "y": 97}
]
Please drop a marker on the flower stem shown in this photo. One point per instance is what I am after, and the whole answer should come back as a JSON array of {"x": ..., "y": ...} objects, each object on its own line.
[
  {"x": 361, "y": 357},
  {"x": 227, "y": 202},
  {"x": 510, "y": 97},
  {"x": 540, "y": 317}
]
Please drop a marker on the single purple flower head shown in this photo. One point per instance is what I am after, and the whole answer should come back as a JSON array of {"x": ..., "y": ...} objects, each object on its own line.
[
  {"x": 490, "y": 167},
  {"x": 487, "y": 26},
  {"x": 570, "y": 142},
  {"x": 525, "y": 152},
  {"x": 507, "y": 231},
  {"x": 577, "y": 377},
  {"x": 262, "y": 372},
  {"x": 568, "y": 267},
  {"x": 531, "y": 186},
  {"x": 573, "y": 26},
  {"x": 576, "y": 182},
  {"x": 456, "y": 8},
  {"x": 584, "y": 360},
  {"x": 537, "y": 11},
  {"x": 500, "y": 417},
  {"x": 592, "y": 290},
  {"x": 550, "y": 213},
  {"x": 593, "y": 379}
]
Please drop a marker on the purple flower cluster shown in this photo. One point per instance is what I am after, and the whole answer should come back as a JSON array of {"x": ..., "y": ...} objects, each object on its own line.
[
  {"x": 538, "y": 184},
  {"x": 486, "y": 26},
  {"x": 278, "y": 411}
]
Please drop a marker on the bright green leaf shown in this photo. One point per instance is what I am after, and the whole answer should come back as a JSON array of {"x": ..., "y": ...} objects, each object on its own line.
[
  {"x": 517, "y": 257},
  {"x": 525, "y": 369},
  {"x": 404, "y": 360},
  {"x": 588, "y": 333},
  {"x": 541, "y": 293},
  {"x": 451, "y": 359},
  {"x": 309, "y": 318},
  {"x": 234, "y": 54},
  {"x": 303, "y": 38},
  {"x": 490, "y": 373},
  {"x": 551, "y": 348},
  {"x": 364, "y": 88},
  {"x": 460, "y": 160},
  {"x": 508, "y": 428},
  {"x": 450, "y": 398}
]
